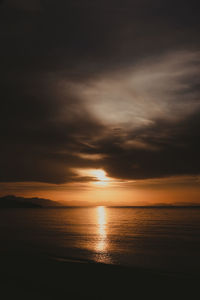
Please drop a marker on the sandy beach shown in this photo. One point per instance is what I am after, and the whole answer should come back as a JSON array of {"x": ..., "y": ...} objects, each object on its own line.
[{"x": 33, "y": 277}]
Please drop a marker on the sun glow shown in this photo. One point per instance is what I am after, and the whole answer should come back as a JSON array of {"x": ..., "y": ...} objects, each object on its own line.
[
  {"x": 98, "y": 176},
  {"x": 101, "y": 177}
]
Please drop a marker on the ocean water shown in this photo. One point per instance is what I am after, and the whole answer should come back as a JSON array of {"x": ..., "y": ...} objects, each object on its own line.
[{"x": 155, "y": 238}]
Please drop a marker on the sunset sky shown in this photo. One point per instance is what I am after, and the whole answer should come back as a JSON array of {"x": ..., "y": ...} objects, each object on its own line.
[{"x": 99, "y": 101}]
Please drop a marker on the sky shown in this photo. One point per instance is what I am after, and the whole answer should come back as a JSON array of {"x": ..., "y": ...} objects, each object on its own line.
[{"x": 99, "y": 101}]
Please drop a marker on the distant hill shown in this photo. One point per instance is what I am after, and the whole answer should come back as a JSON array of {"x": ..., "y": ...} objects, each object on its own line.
[{"x": 11, "y": 201}]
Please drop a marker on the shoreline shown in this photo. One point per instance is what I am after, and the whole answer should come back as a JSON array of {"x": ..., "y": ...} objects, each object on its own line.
[
  {"x": 157, "y": 271},
  {"x": 54, "y": 278}
]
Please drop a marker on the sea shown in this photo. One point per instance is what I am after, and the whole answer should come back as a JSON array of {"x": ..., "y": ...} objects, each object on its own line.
[{"x": 166, "y": 239}]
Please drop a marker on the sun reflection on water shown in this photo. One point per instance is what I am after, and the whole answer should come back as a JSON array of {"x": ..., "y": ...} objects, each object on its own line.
[{"x": 101, "y": 214}]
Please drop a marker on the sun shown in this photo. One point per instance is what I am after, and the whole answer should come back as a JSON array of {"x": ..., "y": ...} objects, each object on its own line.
[{"x": 100, "y": 175}]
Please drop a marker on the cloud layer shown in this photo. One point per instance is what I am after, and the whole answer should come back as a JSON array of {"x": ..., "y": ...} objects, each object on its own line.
[{"x": 99, "y": 85}]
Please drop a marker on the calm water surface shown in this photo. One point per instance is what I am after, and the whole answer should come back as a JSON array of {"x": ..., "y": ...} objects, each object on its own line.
[{"x": 144, "y": 237}]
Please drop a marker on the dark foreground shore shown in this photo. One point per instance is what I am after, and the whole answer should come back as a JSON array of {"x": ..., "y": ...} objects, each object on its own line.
[{"x": 32, "y": 277}]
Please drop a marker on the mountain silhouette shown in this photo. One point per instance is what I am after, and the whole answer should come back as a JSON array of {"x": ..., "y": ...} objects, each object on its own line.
[{"x": 12, "y": 201}]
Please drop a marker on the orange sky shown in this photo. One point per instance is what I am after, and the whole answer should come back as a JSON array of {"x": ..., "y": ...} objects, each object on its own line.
[{"x": 102, "y": 190}]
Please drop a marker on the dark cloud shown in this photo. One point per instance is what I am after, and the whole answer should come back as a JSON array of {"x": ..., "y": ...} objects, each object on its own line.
[
  {"x": 49, "y": 49},
  {"x": 40, "y": 132},
  {"x": 161, "y": 150},
  {"x": 95, "y": 36},
  {"x": 30, "y": 5}
]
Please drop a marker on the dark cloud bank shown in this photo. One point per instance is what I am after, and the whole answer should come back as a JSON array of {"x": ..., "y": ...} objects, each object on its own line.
[{"x": 48, "y": 48}]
